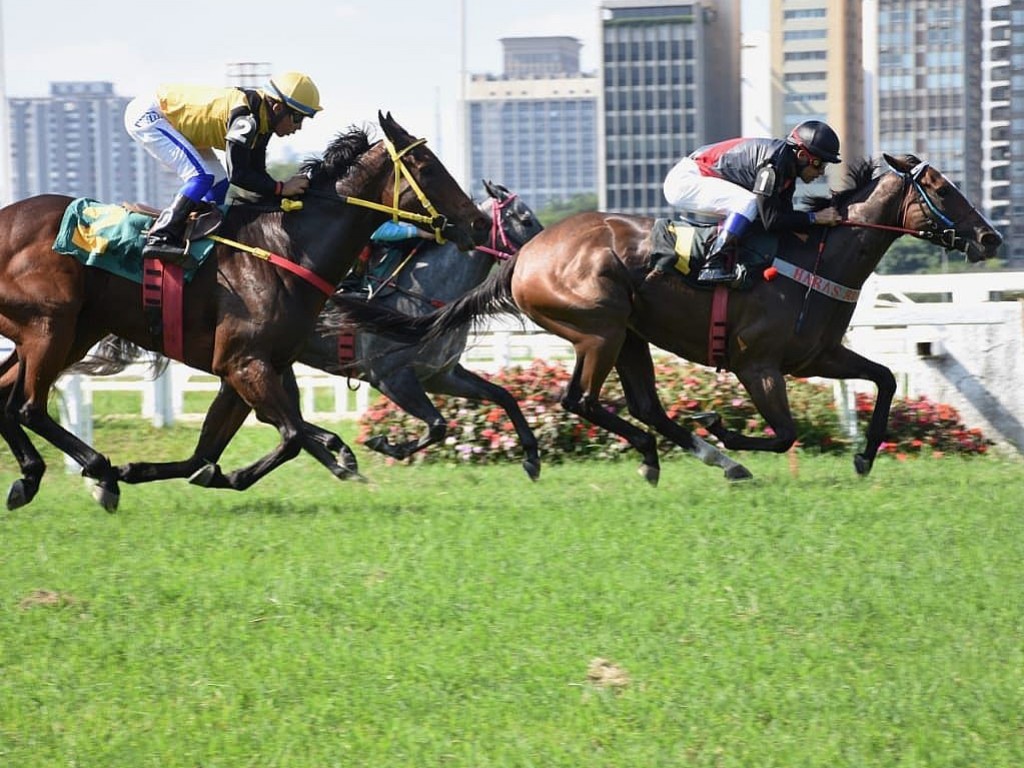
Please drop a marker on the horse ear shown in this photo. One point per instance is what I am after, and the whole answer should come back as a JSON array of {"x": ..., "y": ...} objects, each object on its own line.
[
  {"x": 490, "y": 189},
  {"x": 902, "y": 164}
]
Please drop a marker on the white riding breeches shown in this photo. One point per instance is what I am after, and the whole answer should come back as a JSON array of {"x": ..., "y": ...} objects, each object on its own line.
[
  {"x": 147, "y": 125},
  {"x": 687, "y": 189}
]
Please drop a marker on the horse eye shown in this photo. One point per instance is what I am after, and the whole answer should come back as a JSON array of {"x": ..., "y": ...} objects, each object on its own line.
[{"x": 943, "y": 191}]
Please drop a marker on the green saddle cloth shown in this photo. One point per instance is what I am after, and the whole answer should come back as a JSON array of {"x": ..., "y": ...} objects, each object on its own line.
[{"x": 111, "y": 237}]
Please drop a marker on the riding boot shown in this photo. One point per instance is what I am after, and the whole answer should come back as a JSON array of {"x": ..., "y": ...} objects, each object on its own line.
[
  {"x": 714, "y": 270},
  {"x": 166, "y": 239}
]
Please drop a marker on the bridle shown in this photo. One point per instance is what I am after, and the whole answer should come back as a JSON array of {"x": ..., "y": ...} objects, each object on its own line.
[
  {"x": 942, "y": 229},
  {"x": 433, "y": 220},
  {"x": 500, "y": 248}
]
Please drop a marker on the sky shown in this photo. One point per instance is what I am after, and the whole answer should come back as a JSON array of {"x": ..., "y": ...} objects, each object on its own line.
[{"x": 402, "y": 56}]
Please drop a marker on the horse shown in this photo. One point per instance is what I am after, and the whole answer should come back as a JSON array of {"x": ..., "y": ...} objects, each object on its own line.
[
  {"x": 590, "y": 280},
  {"x": 431, "y": 276},
  {"x": 245, "y": 318}
]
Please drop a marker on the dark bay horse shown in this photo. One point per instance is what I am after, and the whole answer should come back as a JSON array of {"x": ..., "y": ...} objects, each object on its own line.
[
  {"x": 588, "y": 279},
  {"x": 245, "y": 318},
  {"x": 434, "y": 275}
]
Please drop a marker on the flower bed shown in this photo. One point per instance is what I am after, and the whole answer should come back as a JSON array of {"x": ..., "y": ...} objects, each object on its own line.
[{"x": 481, "y": 432}]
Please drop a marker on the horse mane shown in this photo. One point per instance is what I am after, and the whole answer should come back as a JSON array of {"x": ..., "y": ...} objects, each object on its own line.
[
  {"x": 339, "y": 159},
  {"x": 341, "y": 156},
  {"x": 859, "y": 174}
]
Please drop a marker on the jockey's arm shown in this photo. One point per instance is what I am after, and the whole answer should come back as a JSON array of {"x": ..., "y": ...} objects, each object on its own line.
[{"x": 246, "y": 156}]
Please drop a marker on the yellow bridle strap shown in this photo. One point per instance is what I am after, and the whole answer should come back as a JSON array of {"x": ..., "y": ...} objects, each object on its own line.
[{"x": 402, "y": 171}]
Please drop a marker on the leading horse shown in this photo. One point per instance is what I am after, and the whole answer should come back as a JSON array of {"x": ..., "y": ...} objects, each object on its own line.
[
  {"x": 245, "y": 318},
  {"x": 589, "y": 279}
]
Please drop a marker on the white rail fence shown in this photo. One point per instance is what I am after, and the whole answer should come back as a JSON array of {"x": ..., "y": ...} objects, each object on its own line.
[{"x": 956, "y": 338}]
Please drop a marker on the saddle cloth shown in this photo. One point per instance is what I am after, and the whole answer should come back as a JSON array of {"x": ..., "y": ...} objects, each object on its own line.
[
  {"x": 684, "y": 248},
  {"x": 111, "y": 237}
]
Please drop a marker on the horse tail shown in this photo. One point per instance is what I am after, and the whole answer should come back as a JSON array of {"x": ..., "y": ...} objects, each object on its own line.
[
  {"x": 112, "y": 355},
  {"x": 345, "y": 312},
  {"x": 492, "y": 297}
]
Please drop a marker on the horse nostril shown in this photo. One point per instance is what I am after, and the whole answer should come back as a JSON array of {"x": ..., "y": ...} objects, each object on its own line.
[{"x": 991, "y": 239}]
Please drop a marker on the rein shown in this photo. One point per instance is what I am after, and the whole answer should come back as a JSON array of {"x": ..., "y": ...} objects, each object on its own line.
[{"x": 279, "y": 261}]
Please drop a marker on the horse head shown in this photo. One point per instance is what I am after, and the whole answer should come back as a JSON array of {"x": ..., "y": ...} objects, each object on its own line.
[
  {"x": 429, "y": 189},
  {"x": 513, "y": 221},
  {"x": 935, "y": 206}
]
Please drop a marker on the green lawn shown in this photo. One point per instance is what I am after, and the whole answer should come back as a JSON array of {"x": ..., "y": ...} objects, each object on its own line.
[{"x": 452, "y": 616}]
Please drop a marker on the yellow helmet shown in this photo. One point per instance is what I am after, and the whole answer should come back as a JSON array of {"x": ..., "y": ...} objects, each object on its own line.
[{"x": 297, "y": 91}]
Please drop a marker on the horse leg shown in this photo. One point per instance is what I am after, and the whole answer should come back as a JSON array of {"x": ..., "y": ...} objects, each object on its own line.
[
  {"x": 406, "y": 391},
  {"x": 767, "y": 390},
  {"x": 595, "y": 356},
  {"x": 42, "y": 359},
  {"x": 636, "y": 372},
  {"x": 844, "y": 363},
  {"x": 224, "y": 418},
  {"x": 460, "y": 382},
  {"x": 259, "y": 385},
  {"x": 322, "y": 444},
  {"x": 31, "y": 463}
]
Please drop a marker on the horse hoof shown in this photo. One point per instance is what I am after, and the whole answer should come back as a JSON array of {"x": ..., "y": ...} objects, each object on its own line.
[
  {"x": 739, "y": 472},
  {"x": 378, "y": 443},
  {"x": 862, "y": 464},
  {"x": 705, "y": 418},
  {"x": 650, "y": 474},
  {"x": 347, "y": 459},
  {"x": 21, "y": 493},
  {"x": 532, "y": 469},
  {"x": 108, "y": 498},
  {"x": 204, "y": 475}
]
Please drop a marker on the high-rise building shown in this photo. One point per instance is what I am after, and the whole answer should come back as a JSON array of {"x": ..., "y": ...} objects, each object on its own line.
[
  {"x": 1003, "y": 126},
  {"x": 532, "y": 128},
  {"x": 73, "y": 142},
  {"x": 929, "y": 85},
  {"x": 817, "y": 70},
  {"x": 670, "y": 83}
]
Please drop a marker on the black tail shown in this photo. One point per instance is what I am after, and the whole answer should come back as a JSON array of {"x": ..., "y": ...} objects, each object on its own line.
[
  {"x": 492, "y": 297},
  {"x": 112, "y": 355},
  {"x": 345, "y": 311}
]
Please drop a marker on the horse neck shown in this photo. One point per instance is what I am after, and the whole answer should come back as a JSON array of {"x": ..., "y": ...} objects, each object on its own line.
[
  {"x": 435, "y": 273},
  {"x": 333, "y": 233},
  {"x": 862, "y": 248}
]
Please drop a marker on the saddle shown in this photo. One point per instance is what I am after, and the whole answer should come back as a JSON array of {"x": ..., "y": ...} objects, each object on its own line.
[{"x": 680, "y": 247}]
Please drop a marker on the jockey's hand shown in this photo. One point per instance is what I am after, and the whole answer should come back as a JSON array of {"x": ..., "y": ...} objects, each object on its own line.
[
  {"x": 295, "y": 186},
  {"x": 827, "y": 217}
]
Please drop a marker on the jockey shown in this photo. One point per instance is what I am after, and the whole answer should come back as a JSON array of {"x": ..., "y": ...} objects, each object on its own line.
[
  {"x": 183, "y": 125},
  {"x": 741, "y": 179}
]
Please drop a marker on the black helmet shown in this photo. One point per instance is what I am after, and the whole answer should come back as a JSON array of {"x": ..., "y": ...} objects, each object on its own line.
[{"x": 818, "y": 138}]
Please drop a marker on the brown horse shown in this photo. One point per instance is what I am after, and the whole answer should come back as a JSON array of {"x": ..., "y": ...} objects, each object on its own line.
[
  {"x": 245, "y": 318},
  {"x": 589, "y": 280}
]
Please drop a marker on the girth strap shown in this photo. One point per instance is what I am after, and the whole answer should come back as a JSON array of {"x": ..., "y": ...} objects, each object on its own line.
[
  {"x": 717, "y": 332},
  {"x": 163, "y": 292}
]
